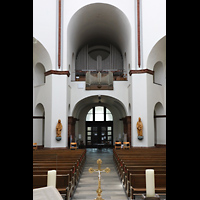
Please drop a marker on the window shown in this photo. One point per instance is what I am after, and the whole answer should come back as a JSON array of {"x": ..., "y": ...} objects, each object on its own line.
[
  {"x": 99, "y": 113},
  {"x": 109, "y": 116},
  {"x": 89, "y": 116}
]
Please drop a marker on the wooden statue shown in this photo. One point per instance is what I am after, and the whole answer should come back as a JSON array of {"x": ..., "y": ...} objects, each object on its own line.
[
  {"x": 58, "y": 130},
  {"x": 139, "y": 129}
]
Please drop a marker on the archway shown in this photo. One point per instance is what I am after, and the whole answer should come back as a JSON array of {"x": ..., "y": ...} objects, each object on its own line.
[
  {"x": 99, "y": 127},
  {"x": 39, "y": 71},
  {"x": 39, "y": 124},
  {"x": 158, "y": 77},
  {"x": 159, "y": 124},
  {"x": 157, "y": 53},
  {"x": 109, "y": 106},
  {"x": 101, "y": 27},
  {"x": 41, "y": 55}
]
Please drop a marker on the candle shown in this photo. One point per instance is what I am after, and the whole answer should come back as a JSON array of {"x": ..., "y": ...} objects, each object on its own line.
[
  {"x": 51, "y": 178},
  {"x": 150, "y": 183}
]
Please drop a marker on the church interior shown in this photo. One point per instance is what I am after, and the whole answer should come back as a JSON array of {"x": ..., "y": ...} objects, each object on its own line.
[{"x": 99, "y": 92}]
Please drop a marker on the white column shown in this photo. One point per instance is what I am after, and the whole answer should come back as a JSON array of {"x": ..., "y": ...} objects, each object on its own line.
[
  {"x": 59, "y": 106},
  {"x": 139, "y": 108}
]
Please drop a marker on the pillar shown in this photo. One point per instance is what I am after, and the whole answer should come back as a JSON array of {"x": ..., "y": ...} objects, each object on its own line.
[
  {"x": 139, "y": 107},
  {"x": 127, "y": 127},
  {"x": 57, "y": 108},
  {"x": 71, "y": 127}
]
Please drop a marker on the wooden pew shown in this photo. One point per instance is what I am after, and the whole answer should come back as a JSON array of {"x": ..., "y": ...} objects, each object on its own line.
[
  {"x": 140, "y": 171},
  {"x": 122, "y": 165},
  {"x": 136, "y": 160},
  {"x": 62, "y": 160},
  {"x": 75, "y": 171},
  {"x": 138, "y": 184},
  {"x": 72, "y": 173},
  {"x": 62, "y": 183}
]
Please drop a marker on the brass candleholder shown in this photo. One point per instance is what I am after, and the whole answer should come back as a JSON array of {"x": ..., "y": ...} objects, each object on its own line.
[{"x": 99, "y": 170}]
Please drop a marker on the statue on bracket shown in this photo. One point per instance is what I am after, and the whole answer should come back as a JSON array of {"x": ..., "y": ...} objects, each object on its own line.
[
  {"x": 58, "y": 130},
  {"x": 139, "y": 129}
]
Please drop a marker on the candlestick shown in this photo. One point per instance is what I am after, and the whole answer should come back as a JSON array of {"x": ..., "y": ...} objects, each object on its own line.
[
  {"x": 51, "y": 178},
  {"x": 150, "y": 183}
]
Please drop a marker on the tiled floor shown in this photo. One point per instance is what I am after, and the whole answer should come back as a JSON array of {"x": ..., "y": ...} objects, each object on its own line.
[{"x": 110, "y": 183}]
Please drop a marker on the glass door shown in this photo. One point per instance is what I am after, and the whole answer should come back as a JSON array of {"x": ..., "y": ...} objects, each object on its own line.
[
  {"x": 95, "y": 135},
  {"x": 99, "y": 134},
  {"x": 110, "y": 135},
  {"x": 103, "y": 134},
  {"x": 89, "y": 135}
]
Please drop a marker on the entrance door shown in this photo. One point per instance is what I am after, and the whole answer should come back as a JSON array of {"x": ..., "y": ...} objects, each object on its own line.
[
  {"x": 99, "y": 134},
  {"x": 99, "y": 127}
]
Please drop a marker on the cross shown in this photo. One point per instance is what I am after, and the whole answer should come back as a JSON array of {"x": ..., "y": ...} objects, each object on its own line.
[{"x": 99, "y": 170}]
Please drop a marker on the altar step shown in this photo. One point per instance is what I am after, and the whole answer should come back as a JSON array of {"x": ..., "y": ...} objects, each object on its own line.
[{"x": 110, "y": 183}]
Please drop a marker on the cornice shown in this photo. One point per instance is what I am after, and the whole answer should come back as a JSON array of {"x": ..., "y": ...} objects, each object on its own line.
[
  {"x": 141, "y": 71},
  {"x": 57, "y": 72}
]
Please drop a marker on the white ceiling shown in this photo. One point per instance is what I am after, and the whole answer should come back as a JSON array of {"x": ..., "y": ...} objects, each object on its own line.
[{"x": 98, "y": 24}]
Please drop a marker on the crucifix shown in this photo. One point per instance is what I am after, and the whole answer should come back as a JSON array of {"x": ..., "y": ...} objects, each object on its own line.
[{"x": 99, "y": 170}]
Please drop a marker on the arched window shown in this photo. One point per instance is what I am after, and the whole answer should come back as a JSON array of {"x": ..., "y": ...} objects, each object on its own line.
[{"x": 99, "y": 113}]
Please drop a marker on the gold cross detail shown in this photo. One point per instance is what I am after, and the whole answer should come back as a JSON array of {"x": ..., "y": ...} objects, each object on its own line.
[{"x": 99, "y": 170}]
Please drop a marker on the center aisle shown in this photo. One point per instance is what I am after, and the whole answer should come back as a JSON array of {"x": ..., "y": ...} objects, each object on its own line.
[{"x": 110, "y": 183}]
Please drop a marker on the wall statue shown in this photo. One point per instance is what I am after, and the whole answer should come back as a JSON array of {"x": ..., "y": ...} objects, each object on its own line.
[
  {"x": 58, "y": 130},
  {"x": 139, "y": 129}
]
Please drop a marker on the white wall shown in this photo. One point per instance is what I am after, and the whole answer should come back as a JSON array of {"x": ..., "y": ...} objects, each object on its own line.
[
  {"x": 59, "y": 95},
  {"x": 153, "y": 25},
  {"x": 120, "y": 92},
  {"x": 43, "y": 94},
  {"x": 70, "y": 8},
  {"x": 44, "y": 26}
]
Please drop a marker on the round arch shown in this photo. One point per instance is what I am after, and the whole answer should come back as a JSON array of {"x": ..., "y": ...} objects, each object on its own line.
[
  {"x": 116, "y": 108},
  {"x": 41, "y": 55},
  {"x": 99, "y": 24},
  {"x": 159, "y": 124},
  {"x": 157, "y": 53},
  {"x": 38, "y": 74},
  {"x": 39, "y": 124},
  {"x": 158, "y": 76},
  {"x": 91, "y": 101}
]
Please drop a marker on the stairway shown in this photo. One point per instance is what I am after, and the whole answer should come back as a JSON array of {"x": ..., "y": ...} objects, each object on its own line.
[{"x": 110, "y": 183}]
